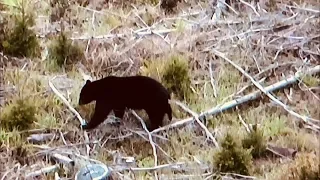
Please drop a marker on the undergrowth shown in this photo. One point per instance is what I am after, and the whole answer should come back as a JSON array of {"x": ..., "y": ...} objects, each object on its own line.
[
  {"x": 63, "y": 53},
  {"x": 179, "y": 61},
  {"x": 19, "y": 115},
  {"x": 306, "y": 166},
  {"x": 256, "y": 142},
  {"x": 232, "y": 157},
  {"x": 20, "y": 40}
]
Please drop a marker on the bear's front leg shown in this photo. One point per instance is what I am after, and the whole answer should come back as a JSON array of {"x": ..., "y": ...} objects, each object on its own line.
[
  {"x": 100, "y": 114},
  {"x": 118, "y": 113}
]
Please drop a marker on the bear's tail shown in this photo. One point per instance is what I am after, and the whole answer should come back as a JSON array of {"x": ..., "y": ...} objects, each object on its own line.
[{"x": 169, "y": 111}]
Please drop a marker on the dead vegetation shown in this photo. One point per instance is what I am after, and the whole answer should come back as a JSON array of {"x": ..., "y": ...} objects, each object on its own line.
[{"x": 257, "y": 62}]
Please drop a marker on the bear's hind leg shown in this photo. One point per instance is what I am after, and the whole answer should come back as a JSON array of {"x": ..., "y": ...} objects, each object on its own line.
[
  {"x": 119, "y": 113},
  {"x": 155, "y": 118},
  {"x": 100, "y": 114}
]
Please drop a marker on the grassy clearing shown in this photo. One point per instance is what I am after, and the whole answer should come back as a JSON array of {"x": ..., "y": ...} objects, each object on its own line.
[{"x": 121, "y": 45}]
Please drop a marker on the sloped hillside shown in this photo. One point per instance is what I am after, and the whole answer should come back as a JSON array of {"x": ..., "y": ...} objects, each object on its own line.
[{"x": 244, "y": 78}]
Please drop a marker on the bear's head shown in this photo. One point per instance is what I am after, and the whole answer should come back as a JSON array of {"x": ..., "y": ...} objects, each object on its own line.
[{"x": 86, "y": 94}]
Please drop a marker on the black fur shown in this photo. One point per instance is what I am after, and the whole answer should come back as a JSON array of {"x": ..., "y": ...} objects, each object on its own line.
[{"x": 118, "y": 93}]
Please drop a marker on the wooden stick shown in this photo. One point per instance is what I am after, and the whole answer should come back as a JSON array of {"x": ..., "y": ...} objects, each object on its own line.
[{"x": 65, "y": 101}]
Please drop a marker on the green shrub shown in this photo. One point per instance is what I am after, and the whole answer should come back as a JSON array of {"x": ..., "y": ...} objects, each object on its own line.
[
  {"x": 256, "y": 142},
  {"x": 176, "y": 77},
  {"x": 311, "y": 80},
  {"x": 173, "y": 73},
  {"x": 18, "y": 115},
  {"x": 233, "y": 158},
  {"x": 20, "y": 41},
  {"x": 12, "y": 139},
  {"x": 153, "y": 68},
  {"x": 63, "y": 53}
]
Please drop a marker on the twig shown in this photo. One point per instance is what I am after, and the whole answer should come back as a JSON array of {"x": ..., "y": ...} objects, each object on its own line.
[
  {"x": 63, "y": 159},
  {"x": 40, "y": 137},
  {"x": 196, "y": 116},
  {"x": 240, "y": 175},
  {"x": 212, "y": 80},
  {"x": 47, "y": 148},
  {"x": 140, "y": 134},
  {"x": 144, "y": 33},
  {"x": 304, "y": 9},
  {"x": 62, "y": 137},
  {"x": 137, "y": 15},
  {"x": 72, "y": 110},
  {"x": 176, "y": 165},
  {"x": 221, "y": 6},
  {"x": 254, "y": 10},
  {"x": 244, "y": 123},
  {"x": 223, "y": 2},
  {"x": 151, "y": 141},
  {"x": 43, "y": 170}
]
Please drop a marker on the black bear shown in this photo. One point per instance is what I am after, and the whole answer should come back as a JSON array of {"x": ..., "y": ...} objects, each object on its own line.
[{"x": 118, "y": 93}]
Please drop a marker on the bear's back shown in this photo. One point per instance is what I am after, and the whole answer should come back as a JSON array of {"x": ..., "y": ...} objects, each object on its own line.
[{"x": 132, "y": 91}]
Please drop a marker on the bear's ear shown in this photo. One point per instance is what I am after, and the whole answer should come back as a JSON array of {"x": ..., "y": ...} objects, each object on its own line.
[{"x": 88, "y": 81}]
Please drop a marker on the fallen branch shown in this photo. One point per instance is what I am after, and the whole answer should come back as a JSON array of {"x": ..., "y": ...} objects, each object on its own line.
[
  {"x": 72, "y": 110},
  {"x": 258, "y": 85},
  {"x": 252, "y": 96}
]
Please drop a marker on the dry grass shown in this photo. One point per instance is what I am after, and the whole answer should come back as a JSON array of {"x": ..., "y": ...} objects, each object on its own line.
[{"x": 284, "y": 38}]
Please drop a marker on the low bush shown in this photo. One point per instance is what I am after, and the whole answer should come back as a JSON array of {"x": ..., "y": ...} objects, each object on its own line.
[
  {"x": 232, "y": 158},
  {"x": 63, "y": 53},
  {"x": 19, "y": 40},
  {"x": 256, "y": 142},
  {"x": 18, "y": 115}
]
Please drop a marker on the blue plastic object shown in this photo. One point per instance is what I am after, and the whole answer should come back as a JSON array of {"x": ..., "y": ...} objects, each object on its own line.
[{"x": 93, "y": 172}]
